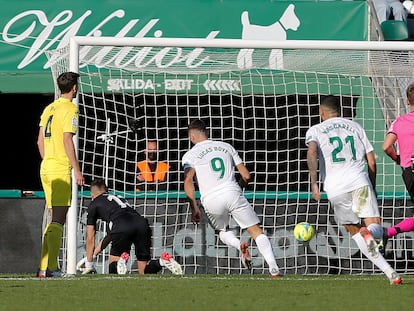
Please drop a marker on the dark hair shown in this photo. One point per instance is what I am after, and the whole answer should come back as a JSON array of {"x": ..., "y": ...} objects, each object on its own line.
[
  {"x": 100, "y": 184},
  {"x": 410, "y": 93},
  {"x": 198, "y": 125},
  {"x": 332, "y": 103},
  {"x": 66, "y": 81}
]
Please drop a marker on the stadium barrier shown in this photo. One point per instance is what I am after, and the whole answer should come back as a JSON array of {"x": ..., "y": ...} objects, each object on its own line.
[{"x": 198, "y": 249}]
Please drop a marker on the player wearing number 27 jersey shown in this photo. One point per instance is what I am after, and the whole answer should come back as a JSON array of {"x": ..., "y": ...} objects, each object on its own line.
[{"x": 213, "y": 164}]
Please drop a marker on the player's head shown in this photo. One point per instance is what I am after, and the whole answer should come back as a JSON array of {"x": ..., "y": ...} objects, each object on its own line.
[
  {"x": 197, "y": 131},
  {"x": 98, "y": 187},
  {"x": 67, "y": 82},
  {"x": 152, "y": 150},
  {"x": 410, "y": 94},
  {"x": 329, "y": 107}
]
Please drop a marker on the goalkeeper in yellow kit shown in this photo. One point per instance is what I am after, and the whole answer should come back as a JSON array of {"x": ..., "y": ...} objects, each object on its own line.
[{"x": 58, "y": 124}]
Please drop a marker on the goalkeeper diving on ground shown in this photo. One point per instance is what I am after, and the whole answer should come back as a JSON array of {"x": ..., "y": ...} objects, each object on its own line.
[{"x": 127, "y": 227}]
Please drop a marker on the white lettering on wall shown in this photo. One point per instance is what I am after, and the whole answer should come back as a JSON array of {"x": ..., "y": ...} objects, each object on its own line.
[{"x": 41, "y": 30}]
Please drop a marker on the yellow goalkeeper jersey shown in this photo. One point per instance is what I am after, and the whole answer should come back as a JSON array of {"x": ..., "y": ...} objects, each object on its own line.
[{"x": 57, "y": 118}]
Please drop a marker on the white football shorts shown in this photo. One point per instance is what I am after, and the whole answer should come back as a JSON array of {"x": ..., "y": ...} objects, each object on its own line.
[
  {"x": 353, "y": 206},
  {"x": 219, "y": 205}
]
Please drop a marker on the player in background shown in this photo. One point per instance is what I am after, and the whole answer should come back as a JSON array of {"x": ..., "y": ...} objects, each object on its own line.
[
  {"x": 58, "y": 124},
  {"x": 126, "y": 227},
  {"x": 342, "y": 149},
  {"x": 213, "y": 163},
  {"x": 401, "y": 132}
]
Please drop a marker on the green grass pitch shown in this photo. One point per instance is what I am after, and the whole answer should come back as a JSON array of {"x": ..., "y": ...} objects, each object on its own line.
[{"x": 206, "y": 292}]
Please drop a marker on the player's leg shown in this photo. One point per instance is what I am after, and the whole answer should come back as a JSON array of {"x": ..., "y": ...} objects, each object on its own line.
[
  {"x": 59, "y": 190},
  {"x": 265, "y": 248},
  {"x": 378, "y": 260},
  {"x": 244, "y": 214},
  {"x": 119, "y": 254},
  {"x": 54, "y": 241},
  {"x": 220, "y": 223},
  {"x": 47, "y": 189},
  {"x": 373, "y": 224},
  {"x": 407, "y": 224},
  {"x": 44, "y": 256},
  {"x": 217, "y": 212},
  {"x": 61, "y": 199},
  {"x": 365, "y": 206},
  {"x": 217, "y": 208},
  {"x": 348, "y": 210},
  {"x": 113, "y": 263},
  {"x": 228, "y": 238},
  {"x": 141, "y": 239}
]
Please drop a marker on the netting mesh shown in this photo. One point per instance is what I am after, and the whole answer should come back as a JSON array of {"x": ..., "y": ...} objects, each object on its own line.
[{"x": 260, "y": 101}]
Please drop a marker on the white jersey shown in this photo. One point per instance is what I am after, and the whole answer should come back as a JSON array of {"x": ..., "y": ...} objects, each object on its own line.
[
  {"x": 214, "y": 163},
  {"x": 342, "y": 146}
]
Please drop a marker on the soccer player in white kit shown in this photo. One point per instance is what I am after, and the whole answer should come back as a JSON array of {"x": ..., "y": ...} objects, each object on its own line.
[
  {"x": 213, "y": 164},
  {"x": 342, "y": 149}
]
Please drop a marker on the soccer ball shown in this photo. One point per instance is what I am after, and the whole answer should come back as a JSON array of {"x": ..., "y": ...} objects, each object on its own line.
[{"x": 303, "y": 232}]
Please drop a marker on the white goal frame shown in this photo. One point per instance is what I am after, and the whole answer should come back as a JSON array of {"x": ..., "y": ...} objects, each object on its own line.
[{"x": 76, "y": 42}]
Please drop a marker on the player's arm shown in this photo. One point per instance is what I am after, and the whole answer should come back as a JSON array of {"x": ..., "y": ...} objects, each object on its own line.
[
  {"x": 389, "y": 149},
  {"x": 244, "y": 175},
  {"x": 40, "y": 142},
  {"x": 90, "y": 242},
  {"x": 189, "y": 189},
  {"x": 312, "y": 161},
  {"x": 102, "y": 244},
  {"x": 90, "y": 246},
  {"x": 71, "y": 153},
  {"x": 372, "y": 167}
]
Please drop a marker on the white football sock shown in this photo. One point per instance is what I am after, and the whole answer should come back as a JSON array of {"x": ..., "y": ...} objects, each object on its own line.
[
  {"x": 265, "y": 248},
  {"x": 379, "y": 261},
  {"x": 228, "y": 238}
]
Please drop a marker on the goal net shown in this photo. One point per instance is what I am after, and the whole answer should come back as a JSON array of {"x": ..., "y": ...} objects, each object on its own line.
[{"x": 259, "y": 96}]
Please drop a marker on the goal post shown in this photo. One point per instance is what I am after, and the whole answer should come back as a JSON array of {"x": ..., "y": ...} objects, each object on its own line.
[{"x": 260, "y": 96}]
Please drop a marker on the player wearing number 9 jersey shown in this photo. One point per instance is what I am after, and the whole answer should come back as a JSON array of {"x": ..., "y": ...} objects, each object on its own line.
[
  {"x": 342, "y": 149},
  {"x": 213, "y": 164}
]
